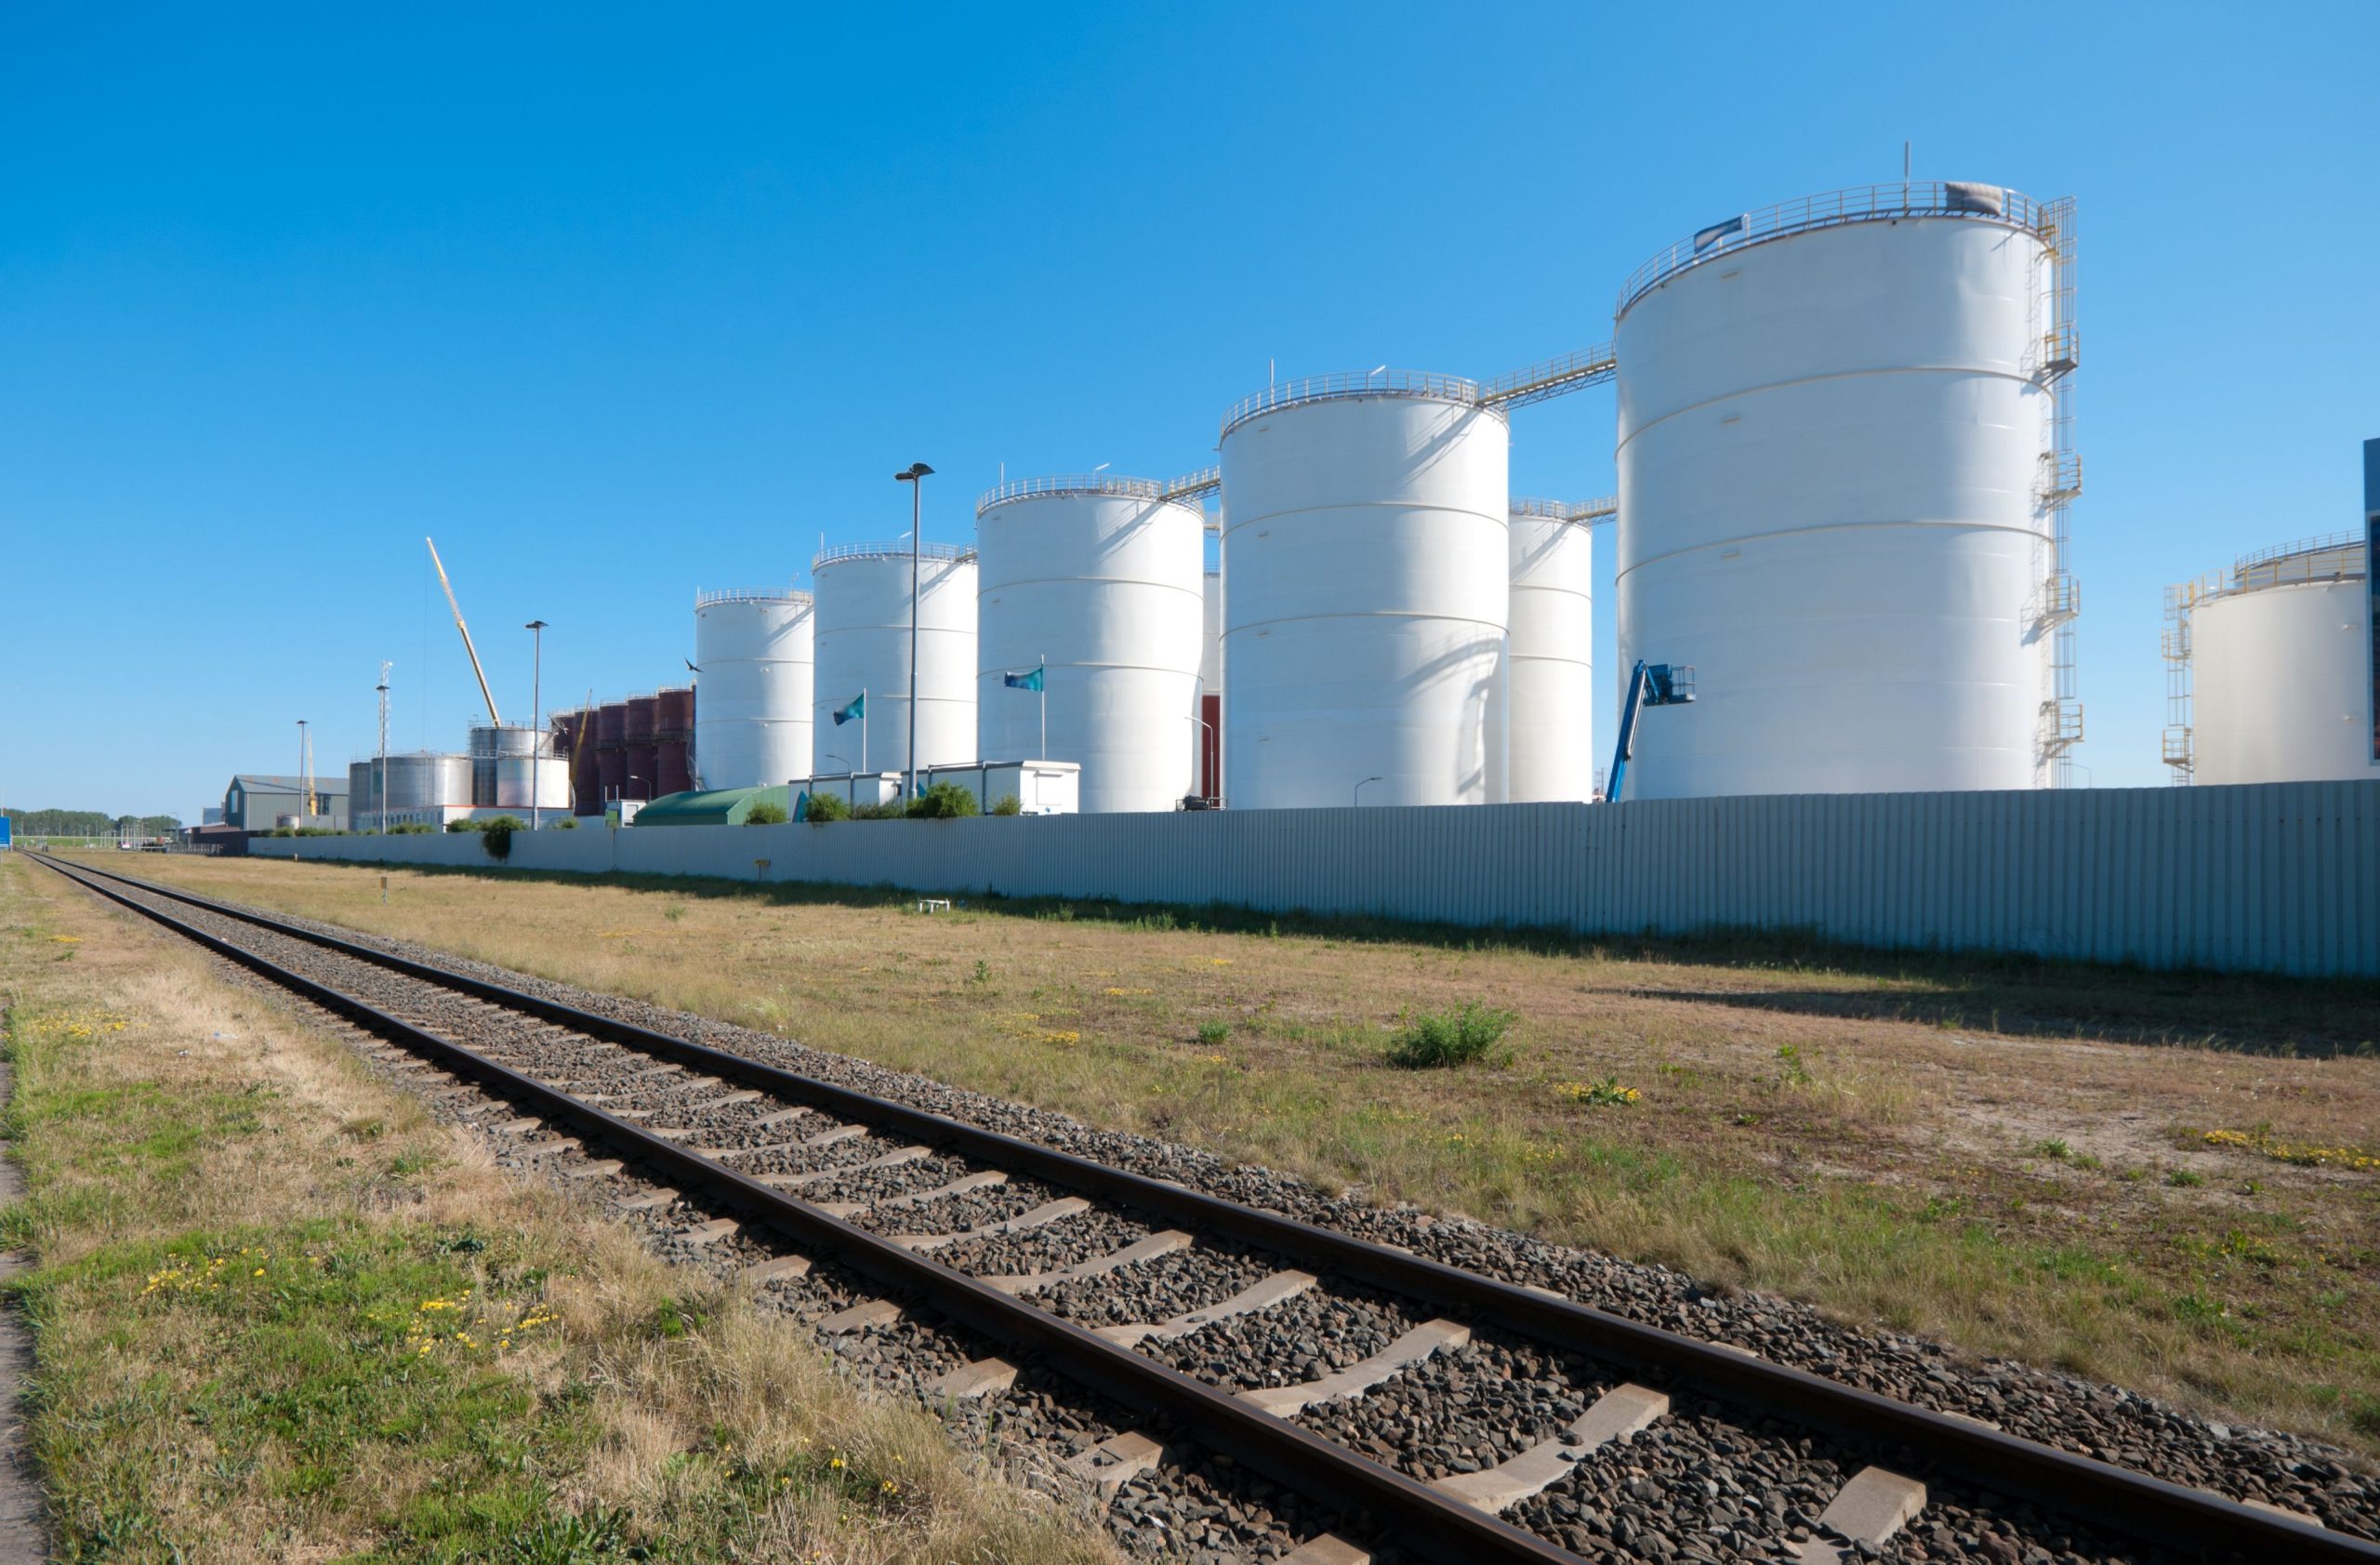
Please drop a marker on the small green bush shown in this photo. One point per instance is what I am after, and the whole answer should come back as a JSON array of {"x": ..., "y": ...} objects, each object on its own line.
[
  {"x": 1009, "y": 804},
  {"x": 1438, "y": 1040},
  {"x": 1213, "y": 1033},
  {"x": 824, "y": 807},
  {"x": 768, "y": 812},
  {"x": 495, "y": 835},
  {"x": 942, "y": 802},
  {"x": 409, "y": 829},
  {"x": 567, "y": 823},
  {"x": 878, "y": 812},
  {"x": 466, "y": 825}
]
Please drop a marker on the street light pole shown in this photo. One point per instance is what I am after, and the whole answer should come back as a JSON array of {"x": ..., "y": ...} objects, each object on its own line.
[
  {"x": 1359, "y": 786},
  {"x": 915, "y": 478},
  {"x": 536, "y": 629}
]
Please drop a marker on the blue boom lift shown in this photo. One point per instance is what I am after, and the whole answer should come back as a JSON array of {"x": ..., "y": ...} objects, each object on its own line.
[{"x": 1652, "y": 685}]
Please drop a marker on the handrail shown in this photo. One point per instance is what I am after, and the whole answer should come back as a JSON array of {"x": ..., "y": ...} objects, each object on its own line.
[
  {"x": 1567, "y": 510},
  {"x": 1349, "y": 383},
  {"x": 1070, "y": 484},
  {"x": 751, "y": 595},
  {"x": 2320, "y": 544},
  {"x": 1858, "y": 204},
  {"x": 1194, "y": 485},
  {"x": 1571, "y": 372},
  {"x": 897, "y": 551}
]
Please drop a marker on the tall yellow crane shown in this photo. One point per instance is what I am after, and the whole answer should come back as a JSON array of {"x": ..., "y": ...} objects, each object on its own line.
[{"x": 468, "y": 650}]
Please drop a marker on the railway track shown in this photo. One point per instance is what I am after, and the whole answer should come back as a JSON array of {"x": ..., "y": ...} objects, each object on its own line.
[{"x": 1199, "y": 1317}]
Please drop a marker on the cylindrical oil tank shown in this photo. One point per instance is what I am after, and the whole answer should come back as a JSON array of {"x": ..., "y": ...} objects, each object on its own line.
[
  {"x": 753, "y": 652},
  {"x": 1831, "y": 433},
  {"x": 1365, "y": 549},
  {"x": 502, "y": 763},
  {"x": 1549, "y": 722},
  {"x": 416, "y": 780},
  {"x": 2281, "y": 668},
  {"x": 1097, "y": 581},
  {"x": 644, "y": 750},
  {"x": 862, "y": 643},
  {"x": 612, "y": 749}
]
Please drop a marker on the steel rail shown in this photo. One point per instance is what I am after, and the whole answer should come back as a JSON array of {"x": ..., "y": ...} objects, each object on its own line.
[
  {"x": 2196, "y": 1523},
  {"x": 1367, "y": 1494}
]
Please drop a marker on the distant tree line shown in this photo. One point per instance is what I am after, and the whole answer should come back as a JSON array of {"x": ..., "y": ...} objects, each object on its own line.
[{"x": 89, "y": 823}]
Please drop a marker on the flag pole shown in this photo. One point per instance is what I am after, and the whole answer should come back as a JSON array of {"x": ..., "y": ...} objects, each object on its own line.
[
  {"x": 1044, "y": 692},
  {"x": 862, "y": 728}
]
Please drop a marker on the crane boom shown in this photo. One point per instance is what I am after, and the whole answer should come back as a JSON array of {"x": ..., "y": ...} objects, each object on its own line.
[{"x": 468, "y": 650}]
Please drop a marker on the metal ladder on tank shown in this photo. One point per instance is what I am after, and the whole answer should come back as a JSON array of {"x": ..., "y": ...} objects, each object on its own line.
[{"x": 2061, "y": 482}]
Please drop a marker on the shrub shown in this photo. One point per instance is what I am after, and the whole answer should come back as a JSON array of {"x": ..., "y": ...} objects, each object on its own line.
[
  {"x": 495, "y": 835},
  {"x": 1009, "y": 804},
  {"x": 825, "y": 807},
  {"x": 768, "y": 812},
  {"x": 466, "y": 825},
  {"x": 878, "y": 812},
  {"x": 1436, "y": 1039},
  {"x": 567, "y": 823},
  {"x": 409, "y": 829},
  {"x": 942, "y": 802},
  {"x": 1213, "y": 1033}
]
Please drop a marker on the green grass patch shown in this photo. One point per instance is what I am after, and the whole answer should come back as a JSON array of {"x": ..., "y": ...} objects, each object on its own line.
[{"x": 1440, "y": 1040}]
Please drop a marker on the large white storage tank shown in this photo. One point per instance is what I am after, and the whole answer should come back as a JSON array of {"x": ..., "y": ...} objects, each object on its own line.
[
  {"x": 2281, "y": 653},
  {"x": 1833, "y": 422},
  {"x": 514, "y": 767},
  {"x": 862, "y": 643},
  {"x": 1097, "y": 579},
  {"x": 1206, "y": 714},
  {"x": 753, "y": 662},
  {"x": 1549, "y": 717},
  {"x": 1366, "y": 548}
]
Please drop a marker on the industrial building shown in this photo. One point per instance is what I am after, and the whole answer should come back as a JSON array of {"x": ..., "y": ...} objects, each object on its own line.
[
  {"x": 861, "y": 657},
  {"x": 1090, "y": 601},
  {"x": 263, "y": 800}
]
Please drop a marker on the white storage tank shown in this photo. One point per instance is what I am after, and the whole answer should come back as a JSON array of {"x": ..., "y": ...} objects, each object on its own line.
[
  {"x": 1833, "y": 422},
  {"x": 2280, "y": 654},
  {"x": 862, "y": 643},
  {"x": 752, "y": 657},
  {"x": 1550, "y": 718},
  {"x": 1098, "y": 581},
  {"x": 1366, "y": 548}
]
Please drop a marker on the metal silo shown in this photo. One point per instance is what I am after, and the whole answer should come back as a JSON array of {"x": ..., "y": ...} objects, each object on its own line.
[
  {"x": 612, "y": 749},
  {"x": 2280, "y": 653},
  {"x": 513, "y": 766},
  {"x": 1549, "y": 722},
  {"x": 1096, "y": 581},
  {"x": 1366, "y": 546},
  {"x": 1841, "y": 495},
  {"x": 753, "y": 651},
  {"x": 862, "y": 642},
  {"x": 643, "y": 751}
]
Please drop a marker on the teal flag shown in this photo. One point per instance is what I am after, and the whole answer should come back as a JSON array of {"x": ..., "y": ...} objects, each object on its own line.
[
  {"x": 1022, "y": 681},
  {"x": 858, "y": 708}
]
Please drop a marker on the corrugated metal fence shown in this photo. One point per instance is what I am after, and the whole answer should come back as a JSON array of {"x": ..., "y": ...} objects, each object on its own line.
[{"x": 2277, "y": 877}]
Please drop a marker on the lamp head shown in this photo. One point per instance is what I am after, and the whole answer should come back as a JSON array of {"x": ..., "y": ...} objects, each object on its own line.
[{"x": 916, "y": 470}]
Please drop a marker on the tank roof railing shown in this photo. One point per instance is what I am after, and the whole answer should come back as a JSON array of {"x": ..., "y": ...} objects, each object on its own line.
[
  {"x": 1602, "y": 510},
  {"x": 1195, "y": 485},
  {"x": 1070, "y": 484},
  {"x": 1858, "y": 204},
  {"x": 751, "y": 595},
  {"x": 1351, "y": 383},
  {"x": 2327, "y": 557},
  {"x": 877, "y": 550},
  {"x": 1554, "y": 378}
]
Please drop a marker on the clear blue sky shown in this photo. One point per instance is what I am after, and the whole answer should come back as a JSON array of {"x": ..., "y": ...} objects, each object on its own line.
[{"x": 620, "y": 304}]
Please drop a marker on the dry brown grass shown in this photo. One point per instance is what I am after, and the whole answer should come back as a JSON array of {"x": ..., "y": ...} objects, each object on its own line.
[
  {"x": 227, "y": 1207},
  {"x": 2006, "y": 1154}
]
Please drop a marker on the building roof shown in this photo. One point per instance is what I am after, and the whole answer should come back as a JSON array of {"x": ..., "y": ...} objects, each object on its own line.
[
  {"x": 273, "y": 782},
  {"x": 717, "y": 806}
]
